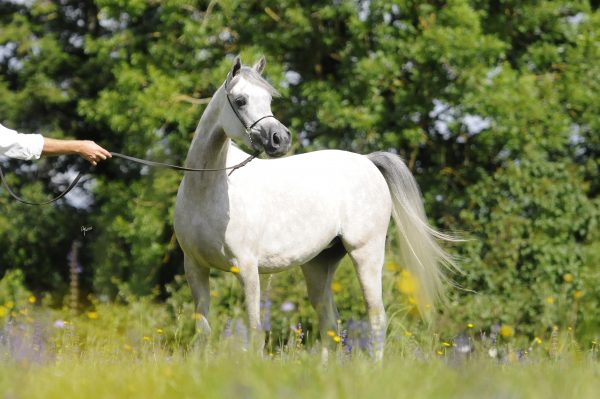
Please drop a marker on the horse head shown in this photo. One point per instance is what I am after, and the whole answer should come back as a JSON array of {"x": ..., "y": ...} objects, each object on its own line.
[{"x": 248, "y": 115}]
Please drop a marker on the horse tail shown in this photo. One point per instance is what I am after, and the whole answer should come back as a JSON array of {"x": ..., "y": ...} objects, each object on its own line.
[{"x": 420, "y": 252}]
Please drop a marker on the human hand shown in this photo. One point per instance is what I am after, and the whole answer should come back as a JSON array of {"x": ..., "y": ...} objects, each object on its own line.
[{"x": 92, "y": 152}]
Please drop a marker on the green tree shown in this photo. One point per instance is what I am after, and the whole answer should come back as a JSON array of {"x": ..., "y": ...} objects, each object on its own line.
[{"x": 493, "y": 104}]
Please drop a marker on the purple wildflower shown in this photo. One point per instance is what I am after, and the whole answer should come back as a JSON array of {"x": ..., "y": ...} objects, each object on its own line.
[
  {"x": 266, "y": 319},
  {"x": 287, "y": 307}
]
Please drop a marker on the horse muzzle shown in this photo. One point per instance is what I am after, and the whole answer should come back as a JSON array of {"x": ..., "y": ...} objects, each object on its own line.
[{"x": 275, "y": 139}]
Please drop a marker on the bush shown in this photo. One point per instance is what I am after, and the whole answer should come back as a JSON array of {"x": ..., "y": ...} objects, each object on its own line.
[{"x": 529, "y": 222}]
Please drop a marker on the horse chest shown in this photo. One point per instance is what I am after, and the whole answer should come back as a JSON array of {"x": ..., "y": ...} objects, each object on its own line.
[{"x": 200, "y": 226}]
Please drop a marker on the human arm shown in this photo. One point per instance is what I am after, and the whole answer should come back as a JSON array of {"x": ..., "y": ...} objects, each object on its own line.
[
  {"x": 31, "y": 146},
  {"x": 20, "y": 146},
  {"x": 87, "y": 149}
]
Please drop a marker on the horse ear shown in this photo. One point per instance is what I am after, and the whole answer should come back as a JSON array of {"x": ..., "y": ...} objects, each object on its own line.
[
  {"x": 260, "y": 65},
  {"x": 235, "y": 69}
]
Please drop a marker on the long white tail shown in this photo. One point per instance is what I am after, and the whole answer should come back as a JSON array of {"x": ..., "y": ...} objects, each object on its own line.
[{"x": 419, "y": 250}]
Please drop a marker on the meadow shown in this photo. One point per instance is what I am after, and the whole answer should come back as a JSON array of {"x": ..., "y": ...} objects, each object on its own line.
[{"x": 146, "y": 348}]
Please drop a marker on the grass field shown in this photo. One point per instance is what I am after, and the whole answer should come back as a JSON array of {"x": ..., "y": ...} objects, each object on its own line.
[
  {"x": 128, "y": 352},
  {"x": 242, "y": 376}
]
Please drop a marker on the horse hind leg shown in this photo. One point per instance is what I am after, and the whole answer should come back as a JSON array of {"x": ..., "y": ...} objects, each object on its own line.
[
  {"x": 198, "y": 279},
  {"x": 368, "y": 262},
  {"x": 318, "y": 274}
]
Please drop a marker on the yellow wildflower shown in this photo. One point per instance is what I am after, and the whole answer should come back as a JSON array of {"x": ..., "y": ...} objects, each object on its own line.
[
  {"x": 407, "y": 284},
  {"x": 446, "y": 344},
  {"x": 407, "y": 334},
  {"x": 92, "y": 315},
  {"x": 9, "y": 305},
  {"x": 391, "y": 266},
  {"x": 537, "y": 340},
  {"x": 507, "y": 331},
  {"x": 331, "y": 333},
  {"x": 550, "y": 300},
  {"x": 197, "y": 316},
  {"x": 234, "y": 269},
  {"x": 577, "y": 294},
  {"x": 3, "y": 311},
  {"x": 32, "y": 299},
  {"x": 128, "y": 348},
  {"x": 568, "y": 278},
  {"x": 159, "y": 331},
  {"x": 336, "y": 287},
  {"x": 470, "y": 325},
  {"x": 146, "y": 338}
]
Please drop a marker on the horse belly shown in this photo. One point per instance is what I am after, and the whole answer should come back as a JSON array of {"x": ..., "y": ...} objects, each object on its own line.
[
  {"x": 293, "y": 252},
  {"x": 280, "y": 240}
]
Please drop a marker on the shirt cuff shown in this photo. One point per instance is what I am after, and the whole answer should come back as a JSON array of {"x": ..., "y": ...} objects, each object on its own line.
[{"x": 34, "y": 144}]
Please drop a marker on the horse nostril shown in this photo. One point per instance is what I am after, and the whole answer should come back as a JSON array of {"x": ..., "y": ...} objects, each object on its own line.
[{"x": 276, "y": 139}]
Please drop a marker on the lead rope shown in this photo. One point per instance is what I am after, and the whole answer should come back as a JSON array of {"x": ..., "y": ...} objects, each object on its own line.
[
  {"x": 129, "y": 158},
  {"x": 183, "y": 168},
  {"x": 15, "y": 196}
]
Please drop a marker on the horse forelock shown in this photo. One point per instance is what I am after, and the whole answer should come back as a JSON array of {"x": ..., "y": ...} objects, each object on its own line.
[{"x": 254, "y": 77}]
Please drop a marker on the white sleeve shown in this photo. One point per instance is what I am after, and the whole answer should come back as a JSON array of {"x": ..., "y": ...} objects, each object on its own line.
[{"x": 19, "y": 145}]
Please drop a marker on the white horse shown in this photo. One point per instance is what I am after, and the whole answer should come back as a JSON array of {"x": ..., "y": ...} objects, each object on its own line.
[{"x": 305, "y": 210}]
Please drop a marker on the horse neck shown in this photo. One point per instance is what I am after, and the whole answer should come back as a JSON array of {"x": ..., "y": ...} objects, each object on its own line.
[{"x": 210, "y": 144}]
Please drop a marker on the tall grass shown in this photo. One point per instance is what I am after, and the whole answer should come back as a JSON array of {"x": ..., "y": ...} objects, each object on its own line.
[
  {"x": 140, "y": 350},
  {"x": 238, "y": 375}
]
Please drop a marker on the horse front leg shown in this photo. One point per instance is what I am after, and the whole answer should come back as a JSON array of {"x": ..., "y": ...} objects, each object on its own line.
[
  {"x": 250, "y": 280},
  {"x": 198, "y": 279}
]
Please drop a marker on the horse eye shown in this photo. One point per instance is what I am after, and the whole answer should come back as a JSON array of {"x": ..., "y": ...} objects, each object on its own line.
[{"x": 240, "y": 102}]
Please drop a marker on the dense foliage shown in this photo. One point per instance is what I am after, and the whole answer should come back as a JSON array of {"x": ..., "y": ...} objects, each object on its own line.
[{"x": 493, "y": 103}]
